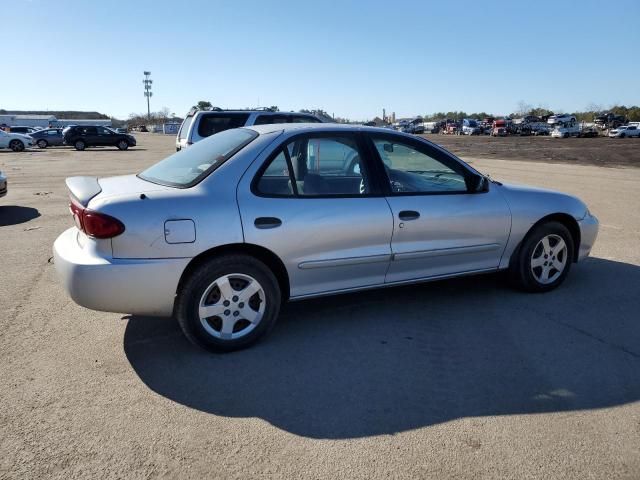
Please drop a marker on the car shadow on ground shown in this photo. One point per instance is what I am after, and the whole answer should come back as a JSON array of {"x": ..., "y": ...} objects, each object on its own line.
[
  {"x": 392, "y": 360},
  {"x": 14, "y": 215}
]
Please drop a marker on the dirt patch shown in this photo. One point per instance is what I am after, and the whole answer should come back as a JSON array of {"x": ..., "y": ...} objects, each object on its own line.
[{"x": 602, "y": 151}]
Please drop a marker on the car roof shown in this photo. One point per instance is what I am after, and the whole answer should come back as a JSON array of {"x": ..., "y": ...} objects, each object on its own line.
[
  {"x": 321, "y": 127},
  {"x": 261, "y": 112}
]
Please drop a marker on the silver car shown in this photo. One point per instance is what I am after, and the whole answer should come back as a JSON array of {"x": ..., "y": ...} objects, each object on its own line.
[
  {"x": 3, "y": 184},
  {"x": 221, "y": 234}
]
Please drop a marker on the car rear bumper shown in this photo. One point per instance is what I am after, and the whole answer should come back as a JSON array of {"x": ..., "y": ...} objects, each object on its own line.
[
  {"x": 137, "y": 286},
  {"x": 588, "y": 232}
]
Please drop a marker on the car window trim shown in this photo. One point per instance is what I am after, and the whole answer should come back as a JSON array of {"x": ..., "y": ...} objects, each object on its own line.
[
  {"x": 439, "y": 154},
  {"x": 362, "y": 150}
]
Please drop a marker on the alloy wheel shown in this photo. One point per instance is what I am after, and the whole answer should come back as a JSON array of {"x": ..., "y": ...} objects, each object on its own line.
[
  {"x": 232, "y": 306},
  {"x": 549, "y": 259}
]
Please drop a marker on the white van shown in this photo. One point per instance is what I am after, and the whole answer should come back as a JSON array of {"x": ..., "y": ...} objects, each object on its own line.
[{"x": 200, "y": 124}]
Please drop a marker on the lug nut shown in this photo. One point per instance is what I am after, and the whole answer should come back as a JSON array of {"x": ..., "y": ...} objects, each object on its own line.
[
  {"x": 226, "y": 303},
  {"x": 235, "y": 298},
  {"x": 241, "y": 305},
  {"x": 236, "y": 313},
  {"x": 227, "y": 312}
]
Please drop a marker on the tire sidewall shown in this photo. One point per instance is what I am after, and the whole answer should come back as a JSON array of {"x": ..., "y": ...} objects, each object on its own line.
[
  {"x": 122, "y": 145},
  {"x": 42, "y": 143},
  {"x": 523, "y": 271},
  {"x": 187, "y": 302},
  {"x": 80, "y": 145}
]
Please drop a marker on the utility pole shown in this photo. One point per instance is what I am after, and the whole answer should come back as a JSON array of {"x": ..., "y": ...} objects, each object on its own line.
[{"x": 147, "y": 91}]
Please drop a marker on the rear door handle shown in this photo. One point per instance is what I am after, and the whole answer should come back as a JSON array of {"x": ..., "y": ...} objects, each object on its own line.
[
  {"x": 408, "y": 215},
  {"x": 267, "y": 222}
]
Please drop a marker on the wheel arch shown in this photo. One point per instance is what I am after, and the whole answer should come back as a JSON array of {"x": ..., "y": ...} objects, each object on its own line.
[
  {"x": 562, "y": 218},
  {"x": 266, "y": 256}
]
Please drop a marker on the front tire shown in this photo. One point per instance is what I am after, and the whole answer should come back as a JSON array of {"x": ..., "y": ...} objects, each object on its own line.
[
  {"x": 16, "y": 145},
  {"x": 543, "y": 259},
  {"x": 42, "y": 144},
  {"x": 123, "y": 145},
  {"x": 228, "y": 303},
  {"x": 80, "y": 145}
]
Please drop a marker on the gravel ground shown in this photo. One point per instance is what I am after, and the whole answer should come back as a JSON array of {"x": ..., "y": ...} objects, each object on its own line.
[{"x": 456, "y": 379}]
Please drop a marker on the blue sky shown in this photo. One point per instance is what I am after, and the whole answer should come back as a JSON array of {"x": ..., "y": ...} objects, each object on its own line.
[{"x": 349, "y": 58}]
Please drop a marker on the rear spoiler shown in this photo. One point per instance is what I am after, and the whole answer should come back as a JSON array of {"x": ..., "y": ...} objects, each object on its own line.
[{"x": 83, "y": 189}]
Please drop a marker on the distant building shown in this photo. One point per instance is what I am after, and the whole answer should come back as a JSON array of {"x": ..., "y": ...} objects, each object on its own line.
[
  {"x": 45, "y": 121},
  {"x": 65, "y": 122},
  {"x": 27, "y": 120}
]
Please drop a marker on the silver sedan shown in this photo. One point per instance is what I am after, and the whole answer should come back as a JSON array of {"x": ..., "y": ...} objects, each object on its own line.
[{"x": 221, "y": 234}]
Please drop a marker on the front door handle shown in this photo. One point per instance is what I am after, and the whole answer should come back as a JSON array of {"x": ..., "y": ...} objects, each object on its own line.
[
  {"x": 408, "y": 215},
  {"x": 267, "y": 222}
]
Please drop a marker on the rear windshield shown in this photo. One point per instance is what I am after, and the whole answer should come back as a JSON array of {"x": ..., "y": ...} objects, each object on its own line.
[
  {"x": 187, "y": 167},
  {"x": 212, "y": 123},
  {"x": 184, "y": 129}
]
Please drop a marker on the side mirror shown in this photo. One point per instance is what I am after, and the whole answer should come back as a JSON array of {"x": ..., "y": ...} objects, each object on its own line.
[
  {"x": 478, "y": 184},
  {"x": 388, "y": 147}
]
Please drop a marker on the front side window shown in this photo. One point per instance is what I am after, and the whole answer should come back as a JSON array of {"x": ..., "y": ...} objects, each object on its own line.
[
  {"x": 413, "y": 170},
  {"x": 212, "y": 123},
  {"x": 311, "y": 166},
  {"x": 270, "y": 119},
  {"x": 187, "y": 167},
  {"x": 104, "y": 131}
]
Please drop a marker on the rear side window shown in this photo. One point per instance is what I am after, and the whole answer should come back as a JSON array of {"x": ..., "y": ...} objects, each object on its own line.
[
  {"x": 188, "y": 167},
  {"x": 184, "y": 129},
  {"x": 219, "y": 122},
  {"x": 270, "y": 119},
  {"x": 316, "y": 166},
  {"x": 304, "y": 119}
]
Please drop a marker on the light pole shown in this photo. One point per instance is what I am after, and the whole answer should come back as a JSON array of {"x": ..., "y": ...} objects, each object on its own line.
[{"x": 147, "y": 91}]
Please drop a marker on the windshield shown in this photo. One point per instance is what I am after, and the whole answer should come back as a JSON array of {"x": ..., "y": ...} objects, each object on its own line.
[{"x": 187, "y": 167}]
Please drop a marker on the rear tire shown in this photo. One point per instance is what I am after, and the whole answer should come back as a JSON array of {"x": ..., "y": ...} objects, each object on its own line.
[
  {"x": 544, "y": 258},
  {"x": 216, "y": 308},
  {"x": 80, "y": 145},
  {"x": 42, "y": 144}
]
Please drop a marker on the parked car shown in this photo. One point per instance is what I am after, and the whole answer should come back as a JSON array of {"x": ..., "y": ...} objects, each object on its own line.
[
  {"x": 625, "y": 131},
  {"x": 15, "y": 141},
  {"x": 222, "y": 233},
  {"x": 51, "y": 137},
  {"x": 120, "y": 130},
  {"x": 566, "y": 130},
  {"x": 499, "y": 132},
  {"x": 82, "y": 137},
  {"x": 200, "y": 124},
  {"x": 470, "y": 127},
  {"x": 588, "y": 132},
  {"x": 22, "y": 130},
  {"x": 561, "y": 118},
  {"x": 3, "y": 184}
]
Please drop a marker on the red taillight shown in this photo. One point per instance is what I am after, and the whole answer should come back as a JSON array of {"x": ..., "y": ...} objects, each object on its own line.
[{"x": 95, "y": 224}]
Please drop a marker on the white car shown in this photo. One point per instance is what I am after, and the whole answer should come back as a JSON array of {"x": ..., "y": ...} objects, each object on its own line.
[
  {"x": 15, "y": 141},
  {"x": 561, "y": 118},
  {"x": 625, "y": 131},
  {"x": 566, "y": 130}
]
